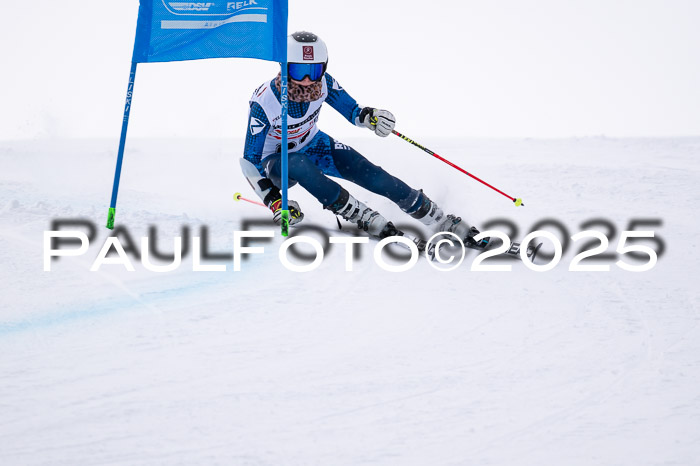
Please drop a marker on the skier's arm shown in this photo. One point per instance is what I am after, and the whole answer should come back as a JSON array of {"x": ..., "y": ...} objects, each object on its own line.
[
  {"x": 340, "y": 100},
  {"x": 380, "y": 121},
  {"x": 270, "y": 194},
  {"x": 251, "y": 165},
  {"x": 258, "y": 126}
]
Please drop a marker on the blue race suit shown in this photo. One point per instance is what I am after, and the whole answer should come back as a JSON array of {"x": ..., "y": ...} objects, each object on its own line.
[{"x": 323, "y": 156}]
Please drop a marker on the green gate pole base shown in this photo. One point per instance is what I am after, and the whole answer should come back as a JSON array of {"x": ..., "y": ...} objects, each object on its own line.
[
  {"x": 110, "y": 218},
  {"x": 285, "y": 223}
]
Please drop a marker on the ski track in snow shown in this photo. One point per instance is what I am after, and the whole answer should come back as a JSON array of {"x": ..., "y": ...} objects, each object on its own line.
[{"x": 265, "y": 366}]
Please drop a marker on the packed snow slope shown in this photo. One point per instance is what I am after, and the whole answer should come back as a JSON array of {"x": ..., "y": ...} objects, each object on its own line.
[{"x": 266, "y": 366}]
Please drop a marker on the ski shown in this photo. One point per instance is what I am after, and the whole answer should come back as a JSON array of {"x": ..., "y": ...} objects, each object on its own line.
[
  {"x": 483, "y": 245},
  {"x": 512, "y": 251}
]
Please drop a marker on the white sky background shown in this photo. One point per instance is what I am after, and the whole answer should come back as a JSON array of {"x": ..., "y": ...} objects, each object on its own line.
[{"x": 540, "y": 68}]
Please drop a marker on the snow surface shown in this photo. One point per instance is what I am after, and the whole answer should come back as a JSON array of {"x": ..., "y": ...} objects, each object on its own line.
[{"x": 270, "y": 367}]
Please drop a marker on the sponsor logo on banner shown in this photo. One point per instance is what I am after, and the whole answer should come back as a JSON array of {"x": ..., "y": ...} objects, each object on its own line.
[
  {"x": 308, "y": 52},
  {"x": 209, "y": 9},
  {"x": 232, "y": 6},
  {"x": 190, "y": 6}
]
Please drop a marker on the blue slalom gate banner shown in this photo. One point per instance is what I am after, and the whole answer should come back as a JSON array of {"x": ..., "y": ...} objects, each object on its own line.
[{"x": 176, "y": 30}]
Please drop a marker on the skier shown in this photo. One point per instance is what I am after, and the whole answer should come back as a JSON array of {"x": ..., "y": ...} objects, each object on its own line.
[{"x": 313, "y": 156}]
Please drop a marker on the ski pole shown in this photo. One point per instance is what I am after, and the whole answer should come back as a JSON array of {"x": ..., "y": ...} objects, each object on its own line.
[
  {"x": 239, "y": 197},
  {"x": 517, "y": 202}
]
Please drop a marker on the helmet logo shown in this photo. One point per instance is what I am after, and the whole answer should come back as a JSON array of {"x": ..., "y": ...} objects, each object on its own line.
[{"x": 308, "y": 52}]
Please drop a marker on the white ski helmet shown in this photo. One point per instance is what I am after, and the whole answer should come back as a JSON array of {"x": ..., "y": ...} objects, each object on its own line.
[{"x": 306, "y": 47}]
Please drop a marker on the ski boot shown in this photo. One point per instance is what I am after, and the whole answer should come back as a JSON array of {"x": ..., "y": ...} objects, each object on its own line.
[
  {"x": 429, "y": 213},
  {"x": 466, "y": 233},
  {"x": 364, "y": 217}
]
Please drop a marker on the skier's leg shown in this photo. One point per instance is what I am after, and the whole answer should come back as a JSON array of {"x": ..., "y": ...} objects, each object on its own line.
[
  {"x": 354, "y": 167},
  {"x": 366, "y": 218},
  {"x": 308, "y": 175},
  {"x": 330, "y": 194}
]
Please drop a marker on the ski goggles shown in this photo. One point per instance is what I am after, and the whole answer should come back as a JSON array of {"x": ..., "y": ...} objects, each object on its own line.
[{"x": 299, "y": 71}]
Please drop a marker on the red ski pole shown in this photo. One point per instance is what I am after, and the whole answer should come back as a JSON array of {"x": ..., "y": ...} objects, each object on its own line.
[
  {"x": 238, "y": 197},
  {"x": 517, "y": 202}
]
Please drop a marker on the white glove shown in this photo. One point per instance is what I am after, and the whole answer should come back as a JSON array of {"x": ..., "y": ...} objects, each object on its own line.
[
  {"x": 295, "y": 213},
  {"x": 382, "y": 122}
]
